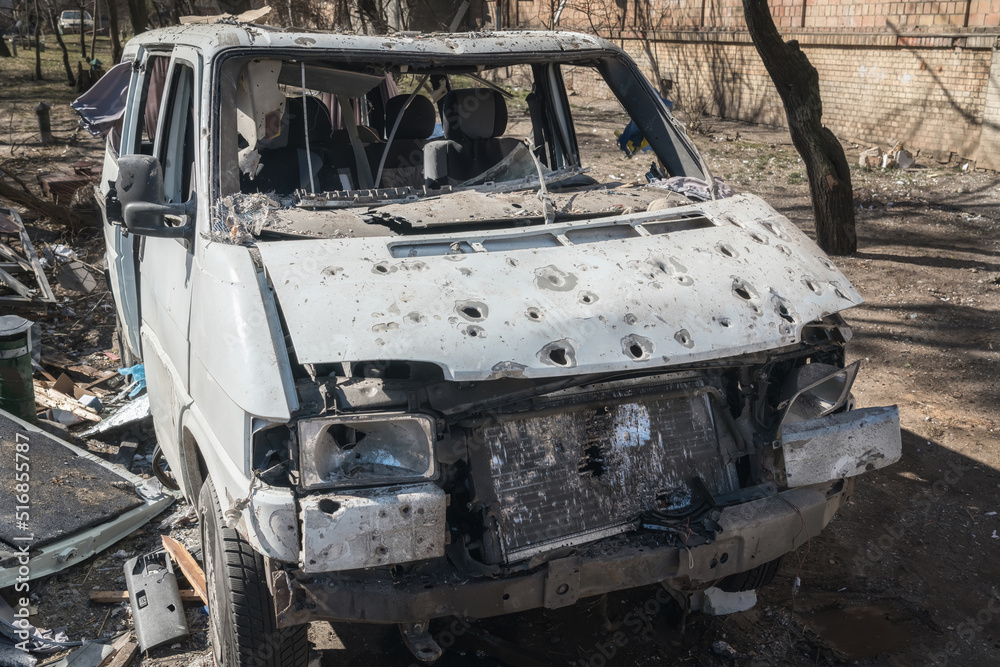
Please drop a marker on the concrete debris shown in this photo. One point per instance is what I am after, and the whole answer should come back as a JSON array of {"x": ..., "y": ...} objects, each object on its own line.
[
  {"x": 904, "y": 160},
  {"x": 724, "y": 649},
  {"x": 871, "y": 158},
  {"x": 895, "y": 158},
  {"x": 721, "y": 603}
]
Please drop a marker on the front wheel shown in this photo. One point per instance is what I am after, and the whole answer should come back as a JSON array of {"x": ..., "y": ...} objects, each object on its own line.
[{"x": 243, "y": 628}]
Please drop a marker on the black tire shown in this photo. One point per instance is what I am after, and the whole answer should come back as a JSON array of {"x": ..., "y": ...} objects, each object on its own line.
[
  {"x": 751, "y": 580},
  {"x": 243, "y": 629}
]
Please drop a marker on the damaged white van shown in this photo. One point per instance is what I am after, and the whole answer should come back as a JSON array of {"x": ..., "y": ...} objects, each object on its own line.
[{"x": 414, "y": 359}]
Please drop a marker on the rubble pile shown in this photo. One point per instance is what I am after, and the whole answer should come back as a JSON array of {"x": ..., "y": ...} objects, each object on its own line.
[{"x": 895, "y": 158}]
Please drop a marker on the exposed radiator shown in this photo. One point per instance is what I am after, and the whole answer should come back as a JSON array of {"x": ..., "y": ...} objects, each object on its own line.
[{"x": 576, "y": 472}]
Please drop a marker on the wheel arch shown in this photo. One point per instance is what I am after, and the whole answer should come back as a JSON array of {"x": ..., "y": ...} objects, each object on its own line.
[{"x": 194, "y": 470}]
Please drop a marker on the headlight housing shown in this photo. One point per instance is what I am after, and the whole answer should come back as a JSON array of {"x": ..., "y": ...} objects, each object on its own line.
[
  {"x": 365, "y": 450},
  {"x": 816, "y": 390}
]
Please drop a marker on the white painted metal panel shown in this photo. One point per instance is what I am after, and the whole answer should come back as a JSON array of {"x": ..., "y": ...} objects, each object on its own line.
[
  {"x": 372, "y": 527},
  {"x": 841, "y": 445},
  {"x": 747, "y": 283}
]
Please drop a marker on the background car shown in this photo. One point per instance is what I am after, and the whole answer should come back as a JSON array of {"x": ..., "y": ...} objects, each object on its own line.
[{"x": 69, "y": 21}]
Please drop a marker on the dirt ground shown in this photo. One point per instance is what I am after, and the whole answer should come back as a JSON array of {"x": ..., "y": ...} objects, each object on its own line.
[{"x": 908, "y": 573}]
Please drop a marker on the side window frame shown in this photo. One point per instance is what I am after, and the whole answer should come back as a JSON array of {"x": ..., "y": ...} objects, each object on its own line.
[
  {"x": 166, "y": 147},
  {"x": 135, "y": 107}
]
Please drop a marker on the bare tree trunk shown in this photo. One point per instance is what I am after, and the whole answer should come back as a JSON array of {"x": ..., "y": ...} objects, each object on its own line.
[
  {"x": 38, "y": 44},
  {"x": 70, "y": 78},
  {"x": 113, "y": 31},
  {"x": 81, "y": 5},
  {"x": 59, "y": 214},
  {"x": 139, "y": 14},
  {"x": 797, "y": 82},
  {"x": 342, "y": 15},
  {"x": 93, "y": 34}
]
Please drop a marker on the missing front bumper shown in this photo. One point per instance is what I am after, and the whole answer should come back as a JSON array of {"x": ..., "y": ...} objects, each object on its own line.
[{"x": 753, "y": 533}]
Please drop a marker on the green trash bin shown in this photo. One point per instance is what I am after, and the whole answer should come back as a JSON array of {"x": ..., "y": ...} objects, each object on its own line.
[{"x": 17, "y": 392}]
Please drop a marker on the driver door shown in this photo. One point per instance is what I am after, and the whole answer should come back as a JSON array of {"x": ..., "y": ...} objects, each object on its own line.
[{"x": 135, "y": 134}]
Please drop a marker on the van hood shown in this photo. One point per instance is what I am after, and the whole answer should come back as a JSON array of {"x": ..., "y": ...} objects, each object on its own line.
[{"x": 672, "y": 287}]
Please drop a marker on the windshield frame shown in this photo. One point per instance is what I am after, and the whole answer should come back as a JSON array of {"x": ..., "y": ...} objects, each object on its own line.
[{"x": 665, "y": 135}]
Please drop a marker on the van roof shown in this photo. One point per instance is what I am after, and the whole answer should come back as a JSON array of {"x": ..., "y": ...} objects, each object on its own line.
[{"x": 213, "y": 38}]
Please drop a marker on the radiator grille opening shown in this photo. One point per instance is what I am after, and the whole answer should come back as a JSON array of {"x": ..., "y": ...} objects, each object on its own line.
[{"x": 576, "y": 472}]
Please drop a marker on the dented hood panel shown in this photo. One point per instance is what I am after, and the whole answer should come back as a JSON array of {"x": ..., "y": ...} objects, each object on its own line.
[{"x": 560, "y": 299}]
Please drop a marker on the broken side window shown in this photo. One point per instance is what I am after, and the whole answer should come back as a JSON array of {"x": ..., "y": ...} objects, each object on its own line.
[
  {"x": 177, "y": 142},
  {"x": 153, "y": 84}
]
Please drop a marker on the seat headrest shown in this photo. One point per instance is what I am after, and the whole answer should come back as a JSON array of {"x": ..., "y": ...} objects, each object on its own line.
[
  {"x": 418, "y": 119},
  {"x": 366, "y": 134},
  {"x": 474, "y": 113},
  {"x": 317, "y": 115}
]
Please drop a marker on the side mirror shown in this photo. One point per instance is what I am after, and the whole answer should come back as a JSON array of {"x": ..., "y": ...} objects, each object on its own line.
[{"x": 140, "y": 191}]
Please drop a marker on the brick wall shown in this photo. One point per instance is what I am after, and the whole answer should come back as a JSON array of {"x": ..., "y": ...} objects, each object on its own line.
[
  {"x": 989, "y": 143},
  {"x": 925, "y": 73},
  {"x": 931, "y": 99},
  {"x": 728, "y": 14}
]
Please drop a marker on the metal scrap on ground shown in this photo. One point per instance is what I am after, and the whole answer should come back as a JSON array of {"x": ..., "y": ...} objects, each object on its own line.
[{"x": 109, "y": 503}]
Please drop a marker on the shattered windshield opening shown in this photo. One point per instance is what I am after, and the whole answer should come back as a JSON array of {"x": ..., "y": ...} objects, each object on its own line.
[{"x": 425, "y": 148}]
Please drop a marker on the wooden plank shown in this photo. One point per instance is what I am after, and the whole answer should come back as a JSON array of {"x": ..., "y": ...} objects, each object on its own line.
[
  {"x": 188, "y": 565},
  {"x": 125, "y": 655},
  {"x": 188, "y": 596},
  {"x": 8, "y": 253},
  {"x": 15, "y": 285},
  {"x": 29, "y": 254},
  {"x": 93, "y": 376},
  {"x": 91, "y": 385},
  {"x": 116, "y": 647},
  {"x": 50, "y": 398}
]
